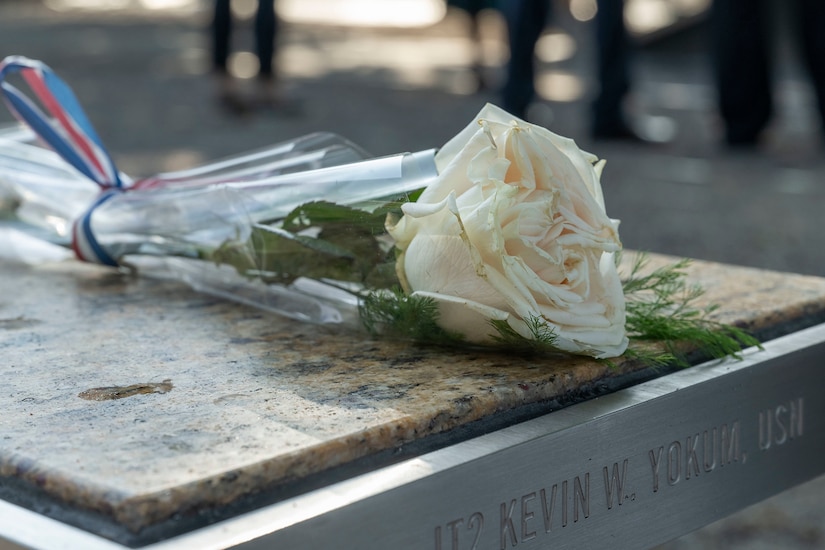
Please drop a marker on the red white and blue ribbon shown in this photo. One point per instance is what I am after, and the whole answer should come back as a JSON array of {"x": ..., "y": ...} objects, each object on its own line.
[
  {"x": 84, "y": 243},
  {"x": 68, "y": 131}
]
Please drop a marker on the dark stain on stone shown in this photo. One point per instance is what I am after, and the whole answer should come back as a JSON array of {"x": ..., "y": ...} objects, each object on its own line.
[
  {"x": 308, "y": 367},
  {"x": 119, "y": 392},
  {"x": 384, "y": 393},
  {"x": 244, "y": 340},
  {"x": 18, "y": 323},
  {"x": 203, "y": 303},
  {"x": 356, "y": 358},
  {"x": 403, "y": 361}
]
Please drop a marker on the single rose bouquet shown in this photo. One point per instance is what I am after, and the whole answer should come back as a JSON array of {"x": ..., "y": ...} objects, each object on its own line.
[
  {"x": 500, "y": 238},
  {"x": 514, "y": 231}
]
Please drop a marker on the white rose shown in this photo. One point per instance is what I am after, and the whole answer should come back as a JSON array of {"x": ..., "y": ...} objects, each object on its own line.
[{"x": 515, "y": 229}]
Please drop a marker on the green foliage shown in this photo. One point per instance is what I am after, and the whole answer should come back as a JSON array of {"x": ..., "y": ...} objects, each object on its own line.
[
  {"x": 8, "y": 208},
  {"x": 323, "y": 240},
  {"x": 399, "y": 315},
  {"x": 660, "y": 307},
  {"x": 331, "y": 215},
  {"x": 650, "y": 356},
  {"x": 319, "y": 240},
  {"x": 542, "y": 336}
]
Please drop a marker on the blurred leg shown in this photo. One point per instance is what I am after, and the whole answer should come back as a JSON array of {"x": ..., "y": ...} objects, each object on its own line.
[
  {"x": 269, "y": 92},
  {"x": 221, "y": 31},
  {"x": 221, "y": 36},
  {"x": 526, "y": 20},
  {"x": 265, "y": 28},
  {"x": 478, "y": 58},
  {"x": 811, "y": 22},
  {"x": 612, "y": 53},
  {"x": 740, "y": 49}
]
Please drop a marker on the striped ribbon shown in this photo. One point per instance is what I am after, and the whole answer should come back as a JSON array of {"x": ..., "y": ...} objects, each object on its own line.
[{"x": 68, "y": 131}]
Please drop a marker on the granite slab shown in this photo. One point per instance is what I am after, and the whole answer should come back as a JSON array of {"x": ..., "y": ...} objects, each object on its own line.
[{"x": 139, "y": 400}]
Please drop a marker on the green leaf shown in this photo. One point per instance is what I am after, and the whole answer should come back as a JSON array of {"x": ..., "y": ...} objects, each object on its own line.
[
  {"x": 320, "y": 240},
  {"x": 235, "y": 253},
  {"x": 327, "y": 214},
  {"x": 281, "y": 256}
]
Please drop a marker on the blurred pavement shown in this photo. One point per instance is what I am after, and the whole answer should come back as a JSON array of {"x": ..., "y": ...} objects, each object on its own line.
[{"x": 142, "y": 76}]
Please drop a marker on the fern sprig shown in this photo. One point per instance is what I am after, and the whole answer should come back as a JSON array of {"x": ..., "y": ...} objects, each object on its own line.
[
  {"x": 661, "y": 307},
  {"x": 399, "y": 315},
  {"x": 542, "y": 336}
]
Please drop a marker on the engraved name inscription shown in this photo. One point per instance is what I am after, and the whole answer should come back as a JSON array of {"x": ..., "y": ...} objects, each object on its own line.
[
  {"x": 563, "y": 504},
  {"x": 522, "y": 519},
  {"x": 780, "y": 424},
  {"x": 457, "y": 530},
  {"x": 551, "y": 504},
  {"x": 717, "y": 447}
]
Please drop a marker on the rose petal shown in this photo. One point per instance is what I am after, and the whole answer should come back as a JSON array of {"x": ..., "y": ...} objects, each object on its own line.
[{"x": 515, "y": 226}]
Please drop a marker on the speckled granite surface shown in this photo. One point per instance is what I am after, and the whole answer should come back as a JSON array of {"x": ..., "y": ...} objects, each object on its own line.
[{"x": 139, "y": 399}]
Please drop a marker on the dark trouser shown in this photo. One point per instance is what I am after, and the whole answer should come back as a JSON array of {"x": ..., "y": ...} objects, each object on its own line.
[
  {"x": 613, "y": 62},
  {"x": 526, "y": 20},
  {"x": 742, "y": 63},
  {"x": 265, "y": 29}
]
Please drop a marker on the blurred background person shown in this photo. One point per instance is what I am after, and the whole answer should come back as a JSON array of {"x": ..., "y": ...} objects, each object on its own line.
[
  {"x": 266, "y": 27},
  {"x": 525, "y": 19},
  {"x": 473, "y": 8},
  {"x": 613, "y": 53},
  {"x": 742, "y": 61}
]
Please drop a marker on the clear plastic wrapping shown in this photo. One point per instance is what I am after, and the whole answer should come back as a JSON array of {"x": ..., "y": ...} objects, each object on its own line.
[
  {"x": 176, "y": 224},
  {"x": 215, "y": 237}
]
